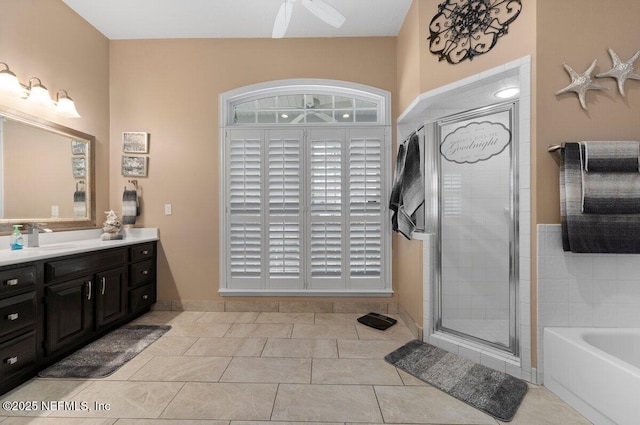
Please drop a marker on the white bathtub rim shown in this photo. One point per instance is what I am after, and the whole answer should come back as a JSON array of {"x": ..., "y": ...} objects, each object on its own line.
[
  {"x": 575, "y": 336},
  {"x": 572, "y": 339}
]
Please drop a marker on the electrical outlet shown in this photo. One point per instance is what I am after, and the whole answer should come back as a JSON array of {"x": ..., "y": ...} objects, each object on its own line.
[
  {"x": 55, "y": 211},
  {"x": 167, "y": 209}
]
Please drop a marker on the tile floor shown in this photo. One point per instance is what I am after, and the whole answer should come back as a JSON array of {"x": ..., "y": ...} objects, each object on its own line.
[{"x": 260, "y": 368}]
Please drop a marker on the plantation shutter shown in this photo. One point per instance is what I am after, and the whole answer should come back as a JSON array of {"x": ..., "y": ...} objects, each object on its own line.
[
  {"x": 244, "y": 209},
  {"x": 284, "y": 218},
  {"x": 326, "y": 208},
  {"x": 365, "y": 208},
  {"x": 305, "y": 210}
]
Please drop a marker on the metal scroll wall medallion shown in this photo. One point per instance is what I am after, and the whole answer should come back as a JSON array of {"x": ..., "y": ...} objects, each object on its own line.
[{"x": 464, "y": 29}]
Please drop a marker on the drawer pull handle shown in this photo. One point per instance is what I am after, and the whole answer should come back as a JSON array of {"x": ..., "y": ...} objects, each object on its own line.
[
  {"x": 12, "y": 360},
  {"x": 89, "y": 291},
  {"x": 145, "y": 297},
  {"x": 145, "y": 252},
  {"x": 145, "y": 272},
  {"x": 12, "y": 316},
  {"x": 11, "y": 282}
]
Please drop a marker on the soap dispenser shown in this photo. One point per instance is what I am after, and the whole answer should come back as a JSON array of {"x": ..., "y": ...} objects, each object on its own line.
[{"x": 16, "y": 242}]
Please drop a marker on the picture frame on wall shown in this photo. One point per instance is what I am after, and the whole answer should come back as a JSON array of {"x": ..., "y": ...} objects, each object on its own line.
[
  {"x": 135, "y": 142},
  {"x": 134, "y": 166},
  {"x": 78, "y": 147},
  {"x": 79, "y": 167}
]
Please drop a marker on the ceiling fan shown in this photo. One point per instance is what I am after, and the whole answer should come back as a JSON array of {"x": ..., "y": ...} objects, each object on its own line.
[{"x": 321, "y": 9}]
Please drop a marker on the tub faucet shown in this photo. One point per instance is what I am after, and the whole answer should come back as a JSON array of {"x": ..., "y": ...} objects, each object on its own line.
[{"x": 33, "y": 239}]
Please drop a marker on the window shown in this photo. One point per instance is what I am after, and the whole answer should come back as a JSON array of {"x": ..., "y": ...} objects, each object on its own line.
[{"x": 305, "y": 202}]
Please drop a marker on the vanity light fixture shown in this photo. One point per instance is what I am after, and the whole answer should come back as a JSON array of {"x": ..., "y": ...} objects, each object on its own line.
[
  {"x": 65, "y": 105},
  {"x": 507, "y": 92},
  {"x": 9, "y": 82},
  {"x": 38, "y": 94}
]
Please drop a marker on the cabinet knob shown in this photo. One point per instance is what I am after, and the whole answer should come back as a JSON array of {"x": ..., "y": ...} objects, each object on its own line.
[
  {"x": 11, "y": 360},
  {"x": 11, "y": 282},
  {"x": 145, "y": 297},
  {"x": 145, "y": 272},
  {"x": 145, "y": 252},
  {"x": 12, "y": 316}
]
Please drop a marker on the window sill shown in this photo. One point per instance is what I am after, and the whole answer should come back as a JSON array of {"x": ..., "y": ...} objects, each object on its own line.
[{"x": 226, "y": 292}]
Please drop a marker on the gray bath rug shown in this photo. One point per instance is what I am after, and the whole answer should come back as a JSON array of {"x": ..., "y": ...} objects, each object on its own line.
[
  {"x": 106, "y": 355},
  {"x": 493, "y": 392}
]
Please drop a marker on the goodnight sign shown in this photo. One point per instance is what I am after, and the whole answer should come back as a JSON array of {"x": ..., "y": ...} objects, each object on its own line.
[{"x": 477, "y": 141}]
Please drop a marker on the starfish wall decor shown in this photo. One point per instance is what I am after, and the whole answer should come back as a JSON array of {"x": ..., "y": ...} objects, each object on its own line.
[
  {"x": 581, "y": 83},
  {"x": 621, "y": 71}
]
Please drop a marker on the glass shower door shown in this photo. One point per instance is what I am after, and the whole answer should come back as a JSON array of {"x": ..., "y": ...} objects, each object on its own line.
[{"x": 478, "y": 227}]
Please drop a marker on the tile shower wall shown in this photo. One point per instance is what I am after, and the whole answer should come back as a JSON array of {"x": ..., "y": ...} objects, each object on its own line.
[{"x": 584, "y": 290}]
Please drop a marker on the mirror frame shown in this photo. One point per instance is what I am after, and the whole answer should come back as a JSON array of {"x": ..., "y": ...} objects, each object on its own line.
[{"x": 65, "y": 223}]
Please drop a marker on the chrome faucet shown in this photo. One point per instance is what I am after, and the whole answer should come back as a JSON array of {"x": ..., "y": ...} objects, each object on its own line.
[{"x": 33, "y": 235}]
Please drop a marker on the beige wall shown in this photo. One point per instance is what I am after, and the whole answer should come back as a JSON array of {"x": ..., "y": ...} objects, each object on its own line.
[
  {"x": 46, "y": 39},
  {"x": 170, "y": 89},
  {"x": 594, "y": 27}
]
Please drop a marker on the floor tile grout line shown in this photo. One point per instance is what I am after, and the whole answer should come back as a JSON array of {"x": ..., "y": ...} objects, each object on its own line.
[
  {"x": 273, "y": 406},
  {"x": 170, "y": 401}
]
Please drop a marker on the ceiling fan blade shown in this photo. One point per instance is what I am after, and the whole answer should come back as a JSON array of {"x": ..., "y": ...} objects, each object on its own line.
[
  {"x": 325, "y": 12},
  {"x": 282, "y": 19}
]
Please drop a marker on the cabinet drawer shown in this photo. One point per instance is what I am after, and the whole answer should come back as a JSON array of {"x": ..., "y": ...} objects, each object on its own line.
[
  {"x": 141, "y": 252},
  {"x": 141, "y": 272},
  {"x": 141, "y": 298},
  {"x": 17, "y": 355},
  {"x": 17, "y": 279},
  {"x": 82, "y": 264},
  {"x": 17, "y": 312}
]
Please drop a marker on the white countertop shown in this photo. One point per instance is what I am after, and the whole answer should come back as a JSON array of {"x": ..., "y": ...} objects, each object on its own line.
[{"x": 58, "y": 244}]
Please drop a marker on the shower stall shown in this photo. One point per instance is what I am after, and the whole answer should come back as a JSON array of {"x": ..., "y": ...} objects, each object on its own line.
[{"x": 471, "y": 172}]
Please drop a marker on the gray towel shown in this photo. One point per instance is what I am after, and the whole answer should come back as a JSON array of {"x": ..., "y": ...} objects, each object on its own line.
[
  {"x": 610, "y": 180},
  {"x": 407, "y": 194},
  {"x": 591, "y": 233},
  {"x": 129, "y": 206},
  {"x": 617, "y": 156},
  {"x": 79, "y": 203}
]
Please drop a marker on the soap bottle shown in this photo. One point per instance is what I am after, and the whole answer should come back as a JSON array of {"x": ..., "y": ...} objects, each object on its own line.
[{"x": 16, "y": 241}]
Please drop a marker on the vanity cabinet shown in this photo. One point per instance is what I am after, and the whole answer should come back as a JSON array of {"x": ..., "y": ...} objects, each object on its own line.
[
  {"x": 18, "y": 323},
  {"x": 142, "y": 292},
  {"x": 51, "y": 307}
]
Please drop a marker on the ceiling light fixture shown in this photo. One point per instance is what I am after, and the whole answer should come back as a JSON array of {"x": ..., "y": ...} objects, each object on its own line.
[
  {"x": 507, "y": 92},
  {"x": 345, "y": 115},
  {"x": 65, "y": 105},
  {"x": 9, "y": 82}
]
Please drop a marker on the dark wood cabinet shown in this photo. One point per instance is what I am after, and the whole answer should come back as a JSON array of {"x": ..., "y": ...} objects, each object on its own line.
[
  {"x": 69, "y": 313},
  {"x": 18, "y": 323},
  {"x": 50, "y": 308},
  {"x": 111, "y": 296}
]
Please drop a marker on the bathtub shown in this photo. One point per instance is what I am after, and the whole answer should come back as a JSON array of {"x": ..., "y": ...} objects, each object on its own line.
[{"x": 596, "y": 371}]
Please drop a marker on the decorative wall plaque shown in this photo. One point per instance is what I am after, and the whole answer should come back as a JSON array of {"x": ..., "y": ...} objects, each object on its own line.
[
  {"x": 476, "y": 141},
  {"x": 463, "y": 29}
]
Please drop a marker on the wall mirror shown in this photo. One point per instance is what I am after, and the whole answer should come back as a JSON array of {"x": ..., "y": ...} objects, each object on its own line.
[{"x": 46, "y": 173}]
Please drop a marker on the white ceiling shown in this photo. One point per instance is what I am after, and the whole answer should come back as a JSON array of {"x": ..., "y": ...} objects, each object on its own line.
[{"x": 130, "y": 19}]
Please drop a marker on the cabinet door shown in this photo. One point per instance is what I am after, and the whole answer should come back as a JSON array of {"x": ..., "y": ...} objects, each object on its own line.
[
  {"x": 111, "y": 296},
  {"x": 69, "y": 311}
]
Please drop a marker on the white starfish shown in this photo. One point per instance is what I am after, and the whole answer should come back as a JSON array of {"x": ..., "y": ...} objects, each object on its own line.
[
  {"x": 621, "y": 70},
  {"x": 580, "y": 83}
]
